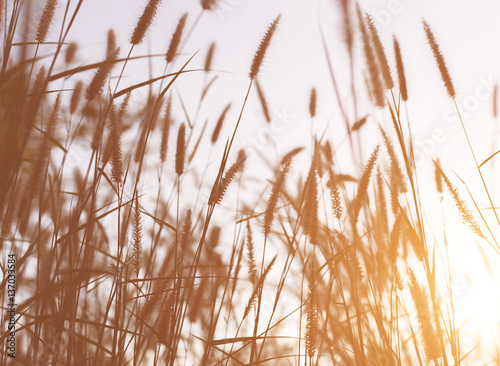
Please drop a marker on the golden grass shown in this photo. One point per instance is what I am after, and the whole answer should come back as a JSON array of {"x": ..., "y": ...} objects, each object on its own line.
[
  {"x": 127, "y": 253},
  {"x": 264, "y": 45}
]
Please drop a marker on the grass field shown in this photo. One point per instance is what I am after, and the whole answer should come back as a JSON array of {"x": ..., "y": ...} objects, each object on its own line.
[{"x": 141, "y": 226}]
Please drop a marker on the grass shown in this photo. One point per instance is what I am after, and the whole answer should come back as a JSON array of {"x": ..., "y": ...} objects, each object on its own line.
[{"x": 161, "y": 246}]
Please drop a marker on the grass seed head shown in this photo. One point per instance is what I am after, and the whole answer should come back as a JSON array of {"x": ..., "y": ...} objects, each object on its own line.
[
  {"x": 144, "y": 22},
  {"x": 403, "y": 90},
  {"x": 438, "y": 56},
  {"x": 264, "y": 45},
  {"x": 181, "y": 150},
  {"x": 380, "y": 53},
  {"x": 176, "y": 39},
  {"x": 46, "y": 20}
]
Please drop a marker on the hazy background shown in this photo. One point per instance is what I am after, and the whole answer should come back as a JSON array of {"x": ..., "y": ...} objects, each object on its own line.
[{"x": 296, "y": 62}]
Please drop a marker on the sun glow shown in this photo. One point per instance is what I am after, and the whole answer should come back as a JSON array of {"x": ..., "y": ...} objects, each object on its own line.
[{"x": 476, "y": 299}]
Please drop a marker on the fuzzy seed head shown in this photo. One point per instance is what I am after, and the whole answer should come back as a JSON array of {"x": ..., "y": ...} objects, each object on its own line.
[
  {"x": 438, "y": 56},
  {"x": 380, "y": 53},
  {"x": 264, "y": 45},
  {"x": 101, "y": 75},
  {"x": 46, "y": 20},
  {"x": 401, "y": 71},
  {"x": 263, "y": 101},
  {"x": 111, "y": 45},
  {"x": 209, "y": 58},
  {"x": 167, "y": 122},
  {"x": 75, "y": 97},
  {"x": 312, "y": 103},
  {"x": 278, "y": 186},
  {"x": 218, "y": 126},
  {"x": 71, "y": 52},
  {"x": 363, "y": 183},
  {"x": 181, "y": 150},
  {"x": 208, "y": 4},
  {"x": 176, "y": 39},
  {"x": 375, "y": 83},
  {"x": 222, "y": 186},
  {"x": 421, "y": 302},
  {"x": 144, "y": 22}
]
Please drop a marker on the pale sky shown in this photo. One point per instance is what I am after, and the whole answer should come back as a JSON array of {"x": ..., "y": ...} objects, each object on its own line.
[{"x": 296, "y": 61}]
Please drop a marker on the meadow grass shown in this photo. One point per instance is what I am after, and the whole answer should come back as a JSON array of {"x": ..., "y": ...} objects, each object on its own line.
[{"x": 307, "y": 265}]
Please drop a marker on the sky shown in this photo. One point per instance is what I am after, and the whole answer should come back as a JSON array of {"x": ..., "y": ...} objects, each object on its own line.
[{"x": 296, "y": 60}]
